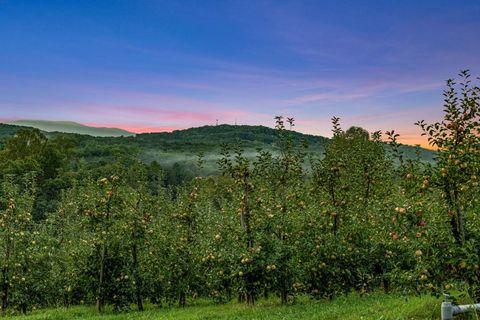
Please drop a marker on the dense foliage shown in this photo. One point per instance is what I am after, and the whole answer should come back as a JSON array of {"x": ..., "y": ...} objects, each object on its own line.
[
  {"x": 181, "y": 147},
  {"x": 79, "y": 228}
]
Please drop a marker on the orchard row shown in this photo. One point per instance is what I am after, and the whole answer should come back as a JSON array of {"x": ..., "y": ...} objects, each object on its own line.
[{"x": 362, "y": 218}]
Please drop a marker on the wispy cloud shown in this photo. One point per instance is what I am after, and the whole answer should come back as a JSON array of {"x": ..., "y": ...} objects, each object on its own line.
[
  {"x": 136, "y": 128},
  {"x": 378, "y": 66}
]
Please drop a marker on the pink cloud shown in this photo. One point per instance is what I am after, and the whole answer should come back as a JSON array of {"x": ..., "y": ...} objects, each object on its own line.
[
  {"x": 164, "y": 114},
  {"x": 117, "y": 113},
  {"x": 370, "y": 88},
  {"x": 6, "y": 119},
  {"x": 136, "y": 128}
]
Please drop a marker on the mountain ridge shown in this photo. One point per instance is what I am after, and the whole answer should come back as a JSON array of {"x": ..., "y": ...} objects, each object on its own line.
[
  {"x": 71, "y": 127},
  {"x": 184, "y": 146}
]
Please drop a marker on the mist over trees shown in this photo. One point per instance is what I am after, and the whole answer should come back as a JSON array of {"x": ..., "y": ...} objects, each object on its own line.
[{"x": 96, "y": 225}]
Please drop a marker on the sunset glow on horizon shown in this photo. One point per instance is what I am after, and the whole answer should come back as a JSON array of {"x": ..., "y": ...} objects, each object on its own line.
[{"x": 164, "y": 66}]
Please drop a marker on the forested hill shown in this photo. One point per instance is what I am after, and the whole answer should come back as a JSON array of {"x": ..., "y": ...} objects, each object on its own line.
[
  {"x": 250, "y": 136},
  {"x": 183, "y": 146}
]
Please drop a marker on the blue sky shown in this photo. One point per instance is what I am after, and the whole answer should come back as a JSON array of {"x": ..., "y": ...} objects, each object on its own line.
[{"x": 164, "y": 65}]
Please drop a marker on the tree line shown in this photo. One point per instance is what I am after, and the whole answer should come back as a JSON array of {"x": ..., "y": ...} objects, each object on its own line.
[{"x": 117, "y": 232}]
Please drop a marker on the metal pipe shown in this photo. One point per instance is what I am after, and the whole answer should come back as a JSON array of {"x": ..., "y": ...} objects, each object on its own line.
[
  {"x": 449, "y": 310},
  {"x": 465, "y": 308}
]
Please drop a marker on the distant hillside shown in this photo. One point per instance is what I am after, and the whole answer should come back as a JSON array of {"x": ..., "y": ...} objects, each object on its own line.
[
  {"x": 71, "y": 127},
  {"x": 248, "y": 136},
  {"x": 182, "y": 147}
]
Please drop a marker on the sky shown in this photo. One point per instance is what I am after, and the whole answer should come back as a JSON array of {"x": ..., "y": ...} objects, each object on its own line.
[{"x": 149, "y": 66}]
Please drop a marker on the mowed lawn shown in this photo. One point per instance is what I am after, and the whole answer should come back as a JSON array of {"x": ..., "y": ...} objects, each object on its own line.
[{"x": 375, "y": 306}]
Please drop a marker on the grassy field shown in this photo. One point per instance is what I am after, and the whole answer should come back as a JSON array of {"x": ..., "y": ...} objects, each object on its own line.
[{"x": 375, "y": 306}]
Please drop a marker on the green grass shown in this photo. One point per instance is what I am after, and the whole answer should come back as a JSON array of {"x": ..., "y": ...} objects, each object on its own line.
[{"x": 376, "y": 306}]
